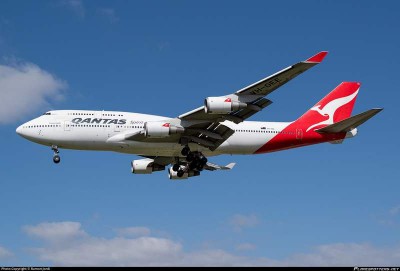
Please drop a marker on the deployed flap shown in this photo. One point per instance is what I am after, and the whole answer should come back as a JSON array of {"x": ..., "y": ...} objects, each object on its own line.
[
  {"x": 211, "y": 166},
  {"x": 208, "y": 135},
  {"x": 350, "y": 123}
]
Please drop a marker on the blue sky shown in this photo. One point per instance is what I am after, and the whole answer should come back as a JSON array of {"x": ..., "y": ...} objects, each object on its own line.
[{"x": 319, "y": 205}]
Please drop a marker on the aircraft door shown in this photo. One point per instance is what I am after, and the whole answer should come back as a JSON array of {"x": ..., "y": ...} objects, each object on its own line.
[
  {"x": 299, "y": 134},
  {"x": 67, "y": 126}
]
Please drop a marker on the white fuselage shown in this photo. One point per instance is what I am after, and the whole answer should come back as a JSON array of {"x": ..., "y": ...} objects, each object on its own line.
[{"x": 94, "y": 130}]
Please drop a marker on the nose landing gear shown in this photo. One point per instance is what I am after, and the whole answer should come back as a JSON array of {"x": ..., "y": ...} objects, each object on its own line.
[{"x": 56, "y": 157}]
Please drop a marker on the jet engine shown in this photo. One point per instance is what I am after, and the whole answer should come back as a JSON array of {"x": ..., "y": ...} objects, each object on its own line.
[
  {"x": 145, "y": 166},
  {"x": 159, "y": 129},
  {"x": 222, "y": 105}
]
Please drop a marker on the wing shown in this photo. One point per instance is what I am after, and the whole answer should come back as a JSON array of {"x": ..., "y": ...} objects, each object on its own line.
[
  {"x": 204, "y": 126},
  {"x": 253, "y": 94}
]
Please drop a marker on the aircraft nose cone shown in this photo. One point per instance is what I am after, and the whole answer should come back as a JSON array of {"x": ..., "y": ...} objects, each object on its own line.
[{"x": 19, "y": 130}]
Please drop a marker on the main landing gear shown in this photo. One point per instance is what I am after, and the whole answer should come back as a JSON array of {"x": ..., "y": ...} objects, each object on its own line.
[
  {"x": 195, "y": 162},
  {"x": 56, "y": 157}
]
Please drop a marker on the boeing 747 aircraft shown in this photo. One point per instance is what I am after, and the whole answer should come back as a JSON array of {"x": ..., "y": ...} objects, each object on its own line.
[{"x": 218, "y": 127}]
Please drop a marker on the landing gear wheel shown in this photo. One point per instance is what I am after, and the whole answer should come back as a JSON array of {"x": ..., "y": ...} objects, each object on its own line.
[
  {"x": 203, "y": 161},
  {"x": 56, "y": 159},
  {"x": 175, "y": 167},
  {"x": 185, "y": 151},
  {"x": 180, "y": 173},
  {"x": 190, "y": 157}
]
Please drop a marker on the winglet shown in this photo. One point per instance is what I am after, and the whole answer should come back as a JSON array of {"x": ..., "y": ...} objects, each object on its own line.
[{"x": 318, "y": 57}]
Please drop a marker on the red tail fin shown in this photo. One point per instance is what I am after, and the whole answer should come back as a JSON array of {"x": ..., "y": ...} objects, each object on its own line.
[{"x": 334, "y": 107}]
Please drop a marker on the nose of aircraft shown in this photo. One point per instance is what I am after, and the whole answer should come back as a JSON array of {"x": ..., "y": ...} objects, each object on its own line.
[{"x": 19, "y": 130}]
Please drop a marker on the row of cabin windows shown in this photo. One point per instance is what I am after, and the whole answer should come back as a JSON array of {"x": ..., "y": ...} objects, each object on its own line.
[
  {"x": 81, "y": 114},
  {"x": 92, "y": 114},
  {"x": 264, "y": 131},
  {"x": 112, "y": 115},
  {"x": 77, "y": 125},
  {"x": 87, "y": 125},
  {"x": 98, "y": 125},
  {"x": 42, "y": 126},
  {"x": 127, "y": 126}
]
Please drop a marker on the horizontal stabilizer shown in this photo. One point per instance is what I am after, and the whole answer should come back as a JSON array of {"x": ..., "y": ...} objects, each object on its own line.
[{"x": 350, "y": 123}]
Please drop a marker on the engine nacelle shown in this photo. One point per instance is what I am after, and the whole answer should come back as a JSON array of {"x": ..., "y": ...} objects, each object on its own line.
[
  {"x": 173, "y": 175},
  {"x": 160, "y": 129},
  {"x": 145, "y": 166},
  {"x": 222, "y": 105}
]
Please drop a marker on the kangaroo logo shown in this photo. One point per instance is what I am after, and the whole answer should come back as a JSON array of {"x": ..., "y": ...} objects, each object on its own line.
[{"x": 330, "y": 109}]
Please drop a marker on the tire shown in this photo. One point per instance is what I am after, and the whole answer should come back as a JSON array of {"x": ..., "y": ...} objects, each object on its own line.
[
  {"x": 180, "y": 173},
  {"x": 185, "y": 151},
  {"x": 203, "y": 161},
  {"x": 175, "y": 167},
  {"x": 190, "y": 157},
  {"x": 56, "y": 159}
]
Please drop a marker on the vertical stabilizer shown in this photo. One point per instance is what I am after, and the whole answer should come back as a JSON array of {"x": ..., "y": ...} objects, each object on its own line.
[{"x": 334, "y": 107}]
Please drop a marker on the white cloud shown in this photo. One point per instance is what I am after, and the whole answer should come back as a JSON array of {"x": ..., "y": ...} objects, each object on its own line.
[
  {"x": 25, "y": 88},
  {"x": 76, "y": 6},
  {"x": 109, "y": 14},
  {"x": 245, "y": 246},
  {"x": 81, "y": 249},
  {"x": 347, "y": 254},
  {"x": 4, "y": 253},
  {"x": 133, "y": 231},
  {"x": 56, "y": 231},
  {"x": 240, "y": 221}
]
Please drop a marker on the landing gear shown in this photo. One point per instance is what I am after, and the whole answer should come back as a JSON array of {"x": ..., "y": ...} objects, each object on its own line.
[
  {"x": 56, "y": 157},
  {"x": 175, "y": 167},
  {"x": 195, "y": 160},
  {"x": 180, "y": 173},
  {"x": 185, "y": 151}
]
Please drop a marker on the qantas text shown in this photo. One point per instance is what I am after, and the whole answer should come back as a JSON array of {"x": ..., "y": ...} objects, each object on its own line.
[{"x": 101, "y": 121}]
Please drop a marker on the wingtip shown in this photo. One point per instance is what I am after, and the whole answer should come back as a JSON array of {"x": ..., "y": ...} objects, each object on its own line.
[
  {"x": 230, "y": 166},
  {"x": 318, "y": 57}
]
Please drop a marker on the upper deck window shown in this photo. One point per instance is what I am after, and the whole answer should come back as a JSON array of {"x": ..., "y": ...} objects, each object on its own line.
[{"x": 47, "y": 113}]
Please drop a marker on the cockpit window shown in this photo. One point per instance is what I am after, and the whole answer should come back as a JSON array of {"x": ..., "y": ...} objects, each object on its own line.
[{"x": 47, "y": 113}]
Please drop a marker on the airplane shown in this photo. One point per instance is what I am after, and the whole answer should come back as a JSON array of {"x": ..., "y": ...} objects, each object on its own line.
[{"x": 218, "y": 127}]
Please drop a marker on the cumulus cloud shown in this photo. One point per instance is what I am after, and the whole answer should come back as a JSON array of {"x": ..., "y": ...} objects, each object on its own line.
[
  {"x": 133, "y": 231},
  {"x": 81, "y": 249},
  {"x": 5, "y": 253},
  {"x": 239, "y": 221},
  {"x": 67, "y": 244},
  {"x": 24, "y": 88},
  {"x": 109, "y": 14},
  {"x": 347, "y": 254},
  {"x": 76, "y": 6},
  {"x": 56, "y": 232}
]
